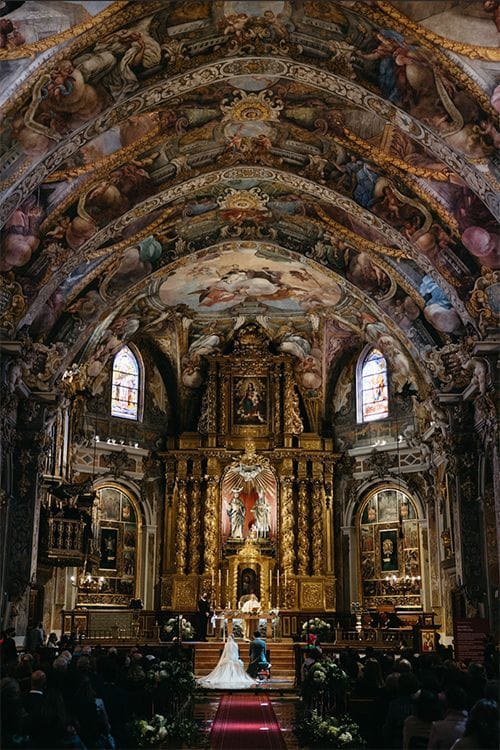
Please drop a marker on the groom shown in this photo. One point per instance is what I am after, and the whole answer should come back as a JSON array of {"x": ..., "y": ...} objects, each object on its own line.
[{"x": 258, "y": 658}]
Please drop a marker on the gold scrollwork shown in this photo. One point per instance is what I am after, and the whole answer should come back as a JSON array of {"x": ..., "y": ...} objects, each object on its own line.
[
  {"x": 12, "y": 303},
  {"x": 210, "y": 519},
  {"x": 311, "y": 595}
]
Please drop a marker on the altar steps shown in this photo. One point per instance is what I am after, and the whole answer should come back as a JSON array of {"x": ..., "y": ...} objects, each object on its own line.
[{"x": 281, "y": 654}]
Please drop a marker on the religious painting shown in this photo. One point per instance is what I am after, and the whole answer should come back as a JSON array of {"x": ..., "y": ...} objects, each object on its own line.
[
  {"x": 387, "y": 506},
  {"x": 389, "y": 550},
  {"x": 410, "y": 531},
  {"x": 427, "y": 641},
  {"x": 129, "y": 537},
  {"x": 110, "y": 504},
  {"x": 109, "y": 549},
  {"x": 368, "y": 567},
  {"x": 367, "y": 539},
  {"x": 128, "y": 562},
  {"x": 370, "y": 512},
  {"x": 249, "y": 401}
]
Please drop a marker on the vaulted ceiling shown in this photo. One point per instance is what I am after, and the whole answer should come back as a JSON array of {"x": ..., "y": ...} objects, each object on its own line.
[{"x": 171, "y": 170}]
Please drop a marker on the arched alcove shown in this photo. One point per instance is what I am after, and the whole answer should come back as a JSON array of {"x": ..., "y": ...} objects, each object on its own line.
[{"x": 389, "y": 549}]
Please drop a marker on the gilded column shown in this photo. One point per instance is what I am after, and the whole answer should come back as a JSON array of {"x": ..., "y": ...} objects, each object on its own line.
[
  {"x": 317, "y": 527},
  {"x": 303, "y": 535},
  {"x": 195, "y": 525},
  {"x": 286, "y": 518},
  {"x": 181, "y": 549},
  {"x": 211, "y": 517}
]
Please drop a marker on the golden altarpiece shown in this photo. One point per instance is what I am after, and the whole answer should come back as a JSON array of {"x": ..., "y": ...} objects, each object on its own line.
[{"x": 249, "y": 496}]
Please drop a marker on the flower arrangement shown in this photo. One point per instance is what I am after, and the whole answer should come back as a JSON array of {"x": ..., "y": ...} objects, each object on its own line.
[
  {"x": 315, "y": 731},
  {"x": 174, "y": 676},
  {"x": 159, "y": 731},
  {"x": 325, "y": 676},
  {"x": 171, "y": 629},
  {"x": 149, "y": 733},
  {"x": 317, "y": 627}
]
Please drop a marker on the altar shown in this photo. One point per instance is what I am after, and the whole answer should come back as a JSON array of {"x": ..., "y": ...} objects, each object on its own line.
[{"x": 227, "y": 622}]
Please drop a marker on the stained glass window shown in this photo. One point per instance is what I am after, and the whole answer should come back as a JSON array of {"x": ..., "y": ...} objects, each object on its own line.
[
  {"x": 374, "y": 392},
  {"x": 125, "y": 385}
]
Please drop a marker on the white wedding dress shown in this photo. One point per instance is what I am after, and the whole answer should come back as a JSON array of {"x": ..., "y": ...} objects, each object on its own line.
[{"x": 229, "y": 674}]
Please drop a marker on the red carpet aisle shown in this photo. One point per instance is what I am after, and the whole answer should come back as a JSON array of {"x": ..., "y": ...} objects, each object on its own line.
[{"x": 246, "y": 721}]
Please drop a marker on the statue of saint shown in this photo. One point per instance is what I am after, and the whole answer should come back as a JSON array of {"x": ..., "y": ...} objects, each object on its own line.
[
  {"x": 236, "y": 511},
  {"x": 262, "y": 514}
]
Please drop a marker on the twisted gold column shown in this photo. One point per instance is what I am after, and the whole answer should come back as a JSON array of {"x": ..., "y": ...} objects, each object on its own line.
[
  {"x": 181, "y": 526},
  {"x": 211, "y": 516},
  {"x": 286, "y": 517},
  {"x": 303, "y": 536},
  {"x": 317, "y": 527},
  {"x": 195, "y": 531}
]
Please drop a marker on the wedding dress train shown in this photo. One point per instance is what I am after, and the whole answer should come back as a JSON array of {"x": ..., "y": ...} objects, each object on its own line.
[{"x": 229, "y": 674}]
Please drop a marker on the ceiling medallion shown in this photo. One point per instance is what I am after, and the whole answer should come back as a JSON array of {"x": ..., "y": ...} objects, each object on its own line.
[
  {"x": 251, "y": 107},
  {"x": 244, "y": 200}
]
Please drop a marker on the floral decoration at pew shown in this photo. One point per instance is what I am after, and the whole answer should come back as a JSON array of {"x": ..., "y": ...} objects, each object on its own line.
[
  {"x": 313, "y": 730},
  {"x": 317, "y": 627}
]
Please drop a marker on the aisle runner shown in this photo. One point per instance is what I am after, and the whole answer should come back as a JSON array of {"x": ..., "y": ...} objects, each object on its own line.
[{"x": 246, "y": 721}]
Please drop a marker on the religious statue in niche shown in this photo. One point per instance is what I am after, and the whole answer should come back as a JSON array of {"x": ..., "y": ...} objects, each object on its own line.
[
  {"x": 250, "y": 401},
  {"x": 262, "y": 514},
  {"x": 236, "y": 511}
]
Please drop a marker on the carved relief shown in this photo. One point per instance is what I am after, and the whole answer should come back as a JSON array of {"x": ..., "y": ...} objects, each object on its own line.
[{"x": 311, "y": 595}]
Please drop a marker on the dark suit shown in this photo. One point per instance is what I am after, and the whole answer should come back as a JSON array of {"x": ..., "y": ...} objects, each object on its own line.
[
  {"x": 203, "y": 615},
  {"x": 258, "y": 658}
]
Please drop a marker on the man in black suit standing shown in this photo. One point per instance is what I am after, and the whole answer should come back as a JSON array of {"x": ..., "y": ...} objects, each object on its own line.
[
  {"x": 203, "y": 615},
  {"x": 258, "y": 658}
]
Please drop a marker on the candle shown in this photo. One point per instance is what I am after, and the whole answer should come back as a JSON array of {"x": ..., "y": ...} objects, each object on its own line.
[
  {"x": 219, "y": 577},
  {"x": 212, "y": 579},
  {"x": 227, "y": 580},
  {"x": 285, "y": 580}
]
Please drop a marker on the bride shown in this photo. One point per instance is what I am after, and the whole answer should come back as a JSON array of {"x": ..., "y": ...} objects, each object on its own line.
[{"x": 229, "y": 674}]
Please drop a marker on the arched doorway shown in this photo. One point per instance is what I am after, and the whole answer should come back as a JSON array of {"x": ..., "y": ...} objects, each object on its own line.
[{"x": 390, "y": 566}]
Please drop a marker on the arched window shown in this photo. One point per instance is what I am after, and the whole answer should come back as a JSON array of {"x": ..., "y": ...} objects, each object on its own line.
[
  {"x": 125, "y": 385},
  {"x": 372, "y": 388}
]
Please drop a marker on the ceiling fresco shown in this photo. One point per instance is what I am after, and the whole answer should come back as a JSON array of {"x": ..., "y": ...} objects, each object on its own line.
[{"x": 174, "y": 169}]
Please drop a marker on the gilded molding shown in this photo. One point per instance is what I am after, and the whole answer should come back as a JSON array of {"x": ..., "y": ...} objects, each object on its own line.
[
  {"x": 491, "y": 54},
  {"x": 32, "y": 49},
  {"x": 391, "y": 17},
  {"x": 211, "y": 74}
]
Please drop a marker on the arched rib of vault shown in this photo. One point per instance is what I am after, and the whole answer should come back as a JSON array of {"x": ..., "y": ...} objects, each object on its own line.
[
  {"x": 355, "y": 306},
  {"x": 93, "y": 248},
  {"x": 224, "y": 70}
]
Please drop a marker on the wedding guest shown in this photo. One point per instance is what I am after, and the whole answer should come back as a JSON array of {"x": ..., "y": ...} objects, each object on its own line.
[
  {"x": 481, "y": 729},
  {"x": 451, "y": 728},
  {"x": 417, "y": 726}
]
